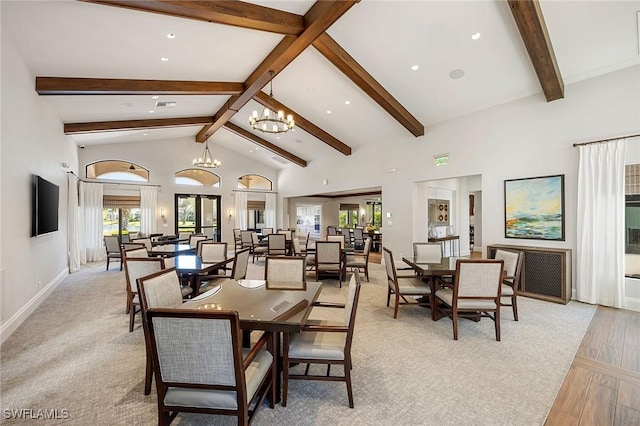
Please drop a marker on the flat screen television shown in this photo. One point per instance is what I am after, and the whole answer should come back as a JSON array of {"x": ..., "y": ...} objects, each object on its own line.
[{"x": 45, "y": 197}]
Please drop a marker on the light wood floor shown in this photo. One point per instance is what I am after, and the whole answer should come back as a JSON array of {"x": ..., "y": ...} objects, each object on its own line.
[{"x": 602, "y": 386}]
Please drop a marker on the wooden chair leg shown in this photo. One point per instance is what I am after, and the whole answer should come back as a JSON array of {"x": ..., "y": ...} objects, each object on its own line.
[
  {"x": 395, "y": 311},
  {"x": 107, "y": 262},
  {"x": 388, "y": 295},
  {"x": 515, "y": 307},
  {"x": 347, "y": 376},
  {"x": 454, "y": 320},
  {"x": 496, "y": 318},
  {"x": 148, "y": 376},
  {"x": 132, "y": 317},
  {"x": 285, "y": 368}
]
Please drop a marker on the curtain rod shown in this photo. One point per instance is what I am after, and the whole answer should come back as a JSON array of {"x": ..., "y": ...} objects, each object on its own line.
[
  {"x": 260, "y": 191},
  {"x": 606, "y": 140},
  {"x": 112, "y": 183}
]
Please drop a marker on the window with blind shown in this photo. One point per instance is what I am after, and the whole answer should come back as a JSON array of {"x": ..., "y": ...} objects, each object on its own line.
[{"x": 120, "y": 215}]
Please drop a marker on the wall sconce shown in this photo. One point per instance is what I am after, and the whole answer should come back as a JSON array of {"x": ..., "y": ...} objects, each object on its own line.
[
  {"x": 230, "y": 213},
  {"x": 162, "y": 213}
]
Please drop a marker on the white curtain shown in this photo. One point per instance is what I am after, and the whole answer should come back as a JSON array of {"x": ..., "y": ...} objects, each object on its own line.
[
  {"x": 270, "y": 211},
  {"x": 91, "y": 204},
  {"x": 600, "y": 255},
  {"x": 73, "y": 223},
  {"x": 148, "y": 207},
  {"x": 241, "y": 210}
]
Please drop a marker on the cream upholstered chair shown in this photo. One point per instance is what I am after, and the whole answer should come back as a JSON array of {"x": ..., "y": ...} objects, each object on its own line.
[
  {"x": 340, "y": 238},
  {"x": 323, "y": 342},
  {"x": 267, "y": 231},
  {"x": 404, "y": 287},
  {"x": 239, "y": 271},
  {"x": 328, "y": 259},
  {"x": 360, "y": 261},
  {"x": 184, "y": 236},
  {"x": 158, "y": 290},
  {"x": 194, "y": 238},
  {"x": 212, "y": 252},
  {"x": 288, "y": 233},
  {"x": 475, "y": 292},
  {"x": 134, "y": 268},
  {"x": 257, "y": 249},
  {"x": 201, "y": 367},
  {"x": 309, "y": 259},
  {"x": 277, "y": 245},
  {"x": 286, "y": 271},
  {"x": 135, "y": 250},
  {"x": 511, "y": 280},
  {"x": 114, "y": 252},
  {"x": 332, "y": 230},
  {"x": 237, "y": 238},
  {"x": 358, "y": 238},
  {"x": 146, "y": 241},
  {"x": 427, "y": 252}
]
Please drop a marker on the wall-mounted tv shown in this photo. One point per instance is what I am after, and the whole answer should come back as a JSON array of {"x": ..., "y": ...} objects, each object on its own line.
[{"x": 45, "y": 197}]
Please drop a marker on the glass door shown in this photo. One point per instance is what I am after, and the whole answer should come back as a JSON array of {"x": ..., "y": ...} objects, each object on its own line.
[
  {"x": 199, "y": 214},
  {"x": 120, "y": 222}
]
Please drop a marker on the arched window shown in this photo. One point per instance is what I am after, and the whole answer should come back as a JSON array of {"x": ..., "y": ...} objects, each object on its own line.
[
  {"x": 254, "y": 182},
  {"x": 197, "y": 177},
  {"x": 117, "y": 170}
]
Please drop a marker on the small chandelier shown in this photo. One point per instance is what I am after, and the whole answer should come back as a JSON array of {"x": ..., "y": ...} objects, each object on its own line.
[
  {"x": 271, "y": 121},
  {"x": 206, "y": 160}
]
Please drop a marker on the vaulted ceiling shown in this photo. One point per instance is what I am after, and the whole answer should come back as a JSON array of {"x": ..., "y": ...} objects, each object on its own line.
[{"x": 99, "y": 64}]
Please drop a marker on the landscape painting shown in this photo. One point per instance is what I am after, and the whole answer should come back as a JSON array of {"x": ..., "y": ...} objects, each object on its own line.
[{"x": 534, "y": 208}]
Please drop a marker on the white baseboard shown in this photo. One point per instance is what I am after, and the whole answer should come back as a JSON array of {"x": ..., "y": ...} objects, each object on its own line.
[
  {"x": 9, "y": 326},
  {"x": 632, "y": 304}
]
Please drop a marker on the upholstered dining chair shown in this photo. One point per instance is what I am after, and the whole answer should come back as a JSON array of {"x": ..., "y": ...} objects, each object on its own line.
[
  {"x": 114, "y": 251},
  {"x": 289, "y": 271},
  {"x": 332, "y": 230},
  {"x": 212, "y": 252},
  {"x": 340, "y": 238},
  {"x": 267, "y": 231},
  {"x": 427, "y": 252},
  {"x": 135, "y": 250},
  {"x": 256, "y": 249},
  {"x": 159, "y": 290},
  {"x": 358, "y": 238},
  {"x": 328, "y": 259},
  {"x": 476, "y": 292},
  {"x": 511, "y": 280},
  {"x": 408, "y": 290},
  {"x": 134, "y": 268},
  {"x": 201, "y": 367},
  {"x": 309, "y": 259},
  {"x": 277, "y": 245},
  {"x": 194, "y": 238},
  {"x": 238, "y": 272},
  {"x": 146, "y": 241},
  {"x": 323, "y": 342},
  {"x": 360, "y": 261}
]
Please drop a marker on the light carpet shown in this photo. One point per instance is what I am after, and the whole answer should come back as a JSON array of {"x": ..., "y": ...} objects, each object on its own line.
[{"x": 75, "y": 353}]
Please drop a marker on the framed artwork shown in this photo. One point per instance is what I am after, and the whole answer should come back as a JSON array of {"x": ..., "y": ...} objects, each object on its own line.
[{"x": 534, "y": 208}]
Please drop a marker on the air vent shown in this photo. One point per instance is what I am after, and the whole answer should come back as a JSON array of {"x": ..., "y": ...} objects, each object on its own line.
[
  {"x": 279, "y": 159},
  {"x": 166, "y": 104}
]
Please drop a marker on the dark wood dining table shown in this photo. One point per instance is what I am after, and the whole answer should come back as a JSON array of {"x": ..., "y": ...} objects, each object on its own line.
[
  {"x": 171, "y": 250},
  {"x": 263, "y": 306},
  {"x": 433, "y": 270},
  {"x": 188, "y": 266}
]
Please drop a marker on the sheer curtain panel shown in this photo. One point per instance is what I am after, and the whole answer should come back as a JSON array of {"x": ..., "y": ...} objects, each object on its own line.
[
  {"x": 91, "y": 202},
  {"x": 148, "y": 207},
  {"x": 73, "y": 223},
  {"x": 270, "y": 210},
  {"x": 241, "y": 210},
  {"x": 600, "y": 255}
]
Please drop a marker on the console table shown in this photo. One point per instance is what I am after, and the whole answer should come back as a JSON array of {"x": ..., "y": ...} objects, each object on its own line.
[{"x": 453, "y": 242}]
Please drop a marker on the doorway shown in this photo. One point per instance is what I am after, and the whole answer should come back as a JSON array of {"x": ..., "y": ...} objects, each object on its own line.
[{"x": 199, "y": 214}]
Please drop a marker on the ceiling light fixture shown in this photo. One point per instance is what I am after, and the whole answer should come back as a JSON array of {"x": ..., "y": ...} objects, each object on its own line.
[
  {"x": 414, "y": 67},
  {"x": 475, "y": 36},
  {"x": 271, "y": 121},
  {"x": 164, "y": 59},
  {"x": 347, "y": 102},
  {"x": 171, "y": 36},
  {"x": 206, "y": 160}
]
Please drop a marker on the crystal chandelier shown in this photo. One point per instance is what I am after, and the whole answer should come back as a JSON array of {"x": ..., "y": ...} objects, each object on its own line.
[
  {"x": 206, "y": 160},
  {"x": 271, "y": 121}
]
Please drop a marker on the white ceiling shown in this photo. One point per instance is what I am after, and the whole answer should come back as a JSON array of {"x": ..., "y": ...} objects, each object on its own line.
[{"x": 76, "y": 39}]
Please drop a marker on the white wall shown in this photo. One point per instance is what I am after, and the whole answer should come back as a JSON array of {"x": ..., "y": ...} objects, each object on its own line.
[
  {"x": 163, "y": 158},
  {"x": 524, "y": 138},
  {"x": 33, "y": 142}
]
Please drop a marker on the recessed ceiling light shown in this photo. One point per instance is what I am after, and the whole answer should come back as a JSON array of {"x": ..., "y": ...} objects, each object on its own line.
[
  {"x": 328, "y": 111},
  {"x": 414, "y": 67},
  {"x": 278, "y": 137},
  {"x": 145, "y": 134},
  {"x": 347, "y": 102},
  {"x": 392, "y": 170},
  {"x": 456, "y": 74},
  {"x": 475, "y": 36},
  {"x": 171, "y": 36},
  {"x": 151, "y": 112},
  {"x": 164, "y": 59},
  {"x": 251, "y": 150},
  {"x": 155, "y": 97}
]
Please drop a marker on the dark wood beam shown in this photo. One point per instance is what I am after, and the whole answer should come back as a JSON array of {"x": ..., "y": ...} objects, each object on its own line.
[
  {"x": 116, "y": 86},
  {"x": 227, "y": 12},
  {"x": 114, "y": 126},
  {"x": 533, "y": 30},
  {"x": 320, "y": 17},
  {"x": 301, "y": 122},
  {"x": 356, "y": 73},
  {"x": 234, "y": 128},
  {"x": 355, "y": 194}
]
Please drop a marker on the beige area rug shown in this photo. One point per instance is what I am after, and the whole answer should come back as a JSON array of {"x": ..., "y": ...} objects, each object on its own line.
[{"x": 75, "y": 353}]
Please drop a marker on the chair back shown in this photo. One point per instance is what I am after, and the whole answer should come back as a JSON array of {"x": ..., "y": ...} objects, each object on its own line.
[
  {"x": 277, "y": 244},
  {"x": 478, "y": 279},
  {"x": 339, "y": 238},
  {"x": 512, "y": 265},
  {"x": 125, "y": 238},
  {"x": 135, "y": 250},
  {"x": 146, "y": 241},
  {"x": 427, "y": 252},
  {"x": 332, "y": 230},
  {"x": 160, "y": 290},
  {"x": 353, "y": 294},
  {"x": 286, "y": 232},
  {"x": 367, "y": 247},
  {"x": 267, "y": 231},
  {"x": 240, "y": 264},
  {"x": 392, "y": 276},
  {"x": 193, "y": 240},
  {"x": 112, "y": 244},
  {"x": 137, "y": 267},
  {"x": 328, "y": 252},
  {"x": 289, "y": 270},
  {"x": 184, "y": 235},
  {"x": 212, "y": 252},
  {"x": 358, "y": 236},
  {"x": 297, "y": 248},
  {"x": 247, "y": 239}
]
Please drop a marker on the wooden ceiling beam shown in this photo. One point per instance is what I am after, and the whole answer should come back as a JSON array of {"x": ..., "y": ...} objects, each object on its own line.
[
  {"x": 356, "y": 73},
  {"x": 234, "y": 128},
  {"x": 533, "y": 30},
  {"x": 114, "y": 126},
  {"x": 116, "y": 86},
  {"x": 227, "y": 12},
  {"x": 301, "y": 122},
  {"x": 320, "y": 17}
]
